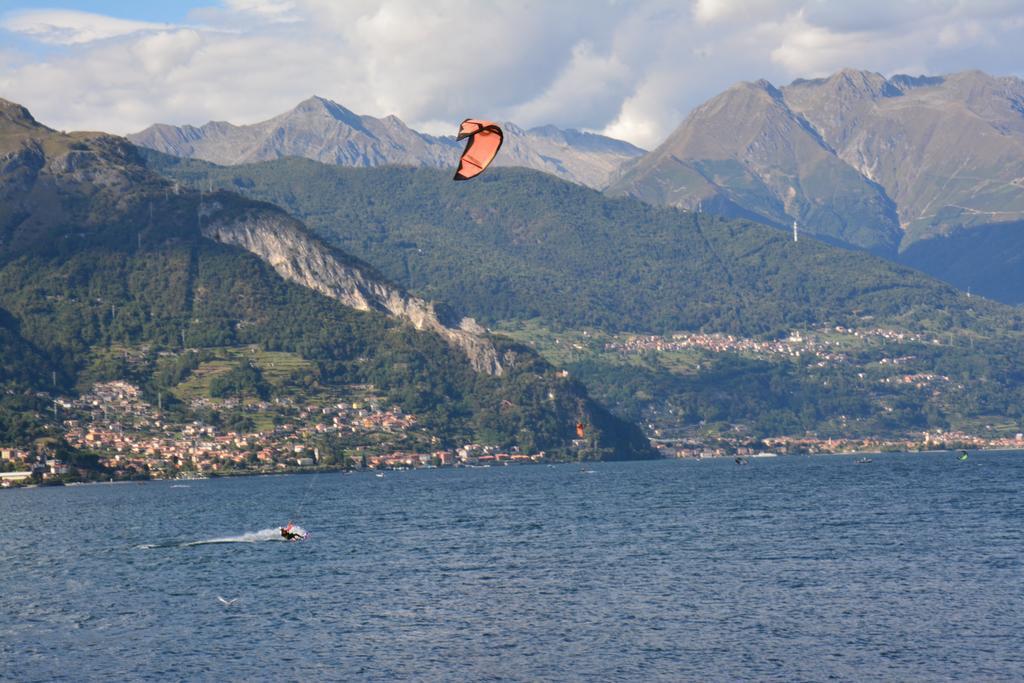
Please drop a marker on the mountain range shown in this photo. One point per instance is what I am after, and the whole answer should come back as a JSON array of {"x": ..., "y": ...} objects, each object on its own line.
[
  {"x": 97, "y": 252},
  {"x": 563, "y": 266},
  {"x": 520, "y": 247},
  {"x": 904, "y": 167},
  {"x": 924, "y": 170},
  {"x": 323, "y": 130},
  {"x": 520, "y": 244}
]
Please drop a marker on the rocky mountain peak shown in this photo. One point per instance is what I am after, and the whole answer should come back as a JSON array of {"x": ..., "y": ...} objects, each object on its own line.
[
  {"x": 768, "y": 88},
  {"x": 13, "y": 115},
  {"x": 323, "y": 130},
  {"x": 321, "y": 106},
  {"x": 856, "y": 80},
  {"x": 845, "y": 89},
  {"x": 510, "y": 128},
  {"x": 747, "y": 89},
  {"x": 736, "y": 117},
  {"x": 877, "y": 163},
  {"x": 978, "y": 89},
  {"x": 751, "y": 152}
]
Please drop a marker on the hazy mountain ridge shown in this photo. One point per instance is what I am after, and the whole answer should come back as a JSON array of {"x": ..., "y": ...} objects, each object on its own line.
[
  {"x": 948, "y": 150},
  {"x": 325, "y": 131},
  {"x": 317, "y": 129},
  {"x": 854, "y": 158},
  {"x": 746, "y": 153}
]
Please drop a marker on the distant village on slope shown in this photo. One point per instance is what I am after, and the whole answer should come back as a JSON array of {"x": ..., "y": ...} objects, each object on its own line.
[{"x": 133, "y": 439}]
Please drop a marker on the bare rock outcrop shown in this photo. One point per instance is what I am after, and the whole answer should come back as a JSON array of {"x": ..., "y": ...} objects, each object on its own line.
[{"x": 284, "y": 244}]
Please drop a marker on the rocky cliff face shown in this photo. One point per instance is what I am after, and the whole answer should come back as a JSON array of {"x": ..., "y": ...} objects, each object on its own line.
[
  {"x": 325, "y": 131},
  {"x": 283, "y": 242}
]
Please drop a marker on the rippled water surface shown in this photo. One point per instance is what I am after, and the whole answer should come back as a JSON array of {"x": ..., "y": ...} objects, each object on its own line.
[{"x": 793, "y": 568}]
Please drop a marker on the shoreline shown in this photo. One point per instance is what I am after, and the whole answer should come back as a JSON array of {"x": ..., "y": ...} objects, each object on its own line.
[{"x": 375, "y": 471}]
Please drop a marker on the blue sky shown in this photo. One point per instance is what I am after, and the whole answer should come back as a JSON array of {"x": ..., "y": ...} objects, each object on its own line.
[
  {"x": 632, "y": 70},
  {"x": 153, "y": 10}
]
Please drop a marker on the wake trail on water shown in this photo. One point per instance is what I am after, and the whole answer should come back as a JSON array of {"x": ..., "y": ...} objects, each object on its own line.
[{"x": 272, "y": 534}]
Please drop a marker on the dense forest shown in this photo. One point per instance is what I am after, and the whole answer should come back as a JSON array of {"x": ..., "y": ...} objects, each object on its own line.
[
  {"x": 104, "y": 298},
  {"x": 959, "y": 388},
  {"x": 519, "y": 244}
]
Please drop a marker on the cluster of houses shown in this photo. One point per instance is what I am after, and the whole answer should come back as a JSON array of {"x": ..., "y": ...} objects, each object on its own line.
[
  {"x": 920, "y": 380},
  {"x": 132, "y": 439},
  {"x": 959, "y": 439},
  {"x": 19, "y": 465},
  {"x": 882, "y": 333},
  {"x": 821, "y": 344},
  {"x": 793, "y": 346},
  {"x": 937, "y": 440}
]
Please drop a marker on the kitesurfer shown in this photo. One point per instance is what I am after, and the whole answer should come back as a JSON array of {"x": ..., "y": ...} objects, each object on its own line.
[
  {"x": 483, "y": 142},
  {"x": 289, "y": 535}
]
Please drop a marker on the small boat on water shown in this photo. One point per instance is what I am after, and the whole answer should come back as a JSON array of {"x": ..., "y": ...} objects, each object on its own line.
[
  {"x": 764, "y": 455},
  {"x": 863, "y": 461},
  {"x": 742, "y": 461}
]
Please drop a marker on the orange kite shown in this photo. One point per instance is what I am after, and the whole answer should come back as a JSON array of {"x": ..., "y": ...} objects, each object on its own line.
[{"x": 485, "y": 140}]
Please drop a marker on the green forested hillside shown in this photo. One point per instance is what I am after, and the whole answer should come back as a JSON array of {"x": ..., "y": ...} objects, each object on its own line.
[
  {"x": 213, "y": 296},
  {"x": 860, "y": 385},
  {"x": 103, "y": 268},
  {"x": 987, "y": 260},
  {"x": 23, "y": 370},
  {"x": 518, "y": 244}
]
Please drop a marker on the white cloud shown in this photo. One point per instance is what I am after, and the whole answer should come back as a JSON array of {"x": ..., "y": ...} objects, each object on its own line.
[
  {"x": 271, "y": 9},
  {"x": 161, "y": 52},
  {"x": 68, "y": 27},
  {"x": 814, "y": 51},
  {"x": 708, "y": 12},
  {"x": 632, "y": 70},
  {"x": 590, "y": 82}
]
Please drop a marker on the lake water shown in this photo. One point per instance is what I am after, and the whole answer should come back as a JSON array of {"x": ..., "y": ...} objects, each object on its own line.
[{"x": 793, "y": 568}]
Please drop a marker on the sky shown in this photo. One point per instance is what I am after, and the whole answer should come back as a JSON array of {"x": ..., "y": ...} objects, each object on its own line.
[{"x": 631, "y": 69}]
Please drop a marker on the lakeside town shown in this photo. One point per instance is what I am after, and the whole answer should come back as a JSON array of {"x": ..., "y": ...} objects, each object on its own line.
[
  {"x": 812, "y": 445},
  {"x": 128, "y": 437},
  {"x": 132, "y": 439}
]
